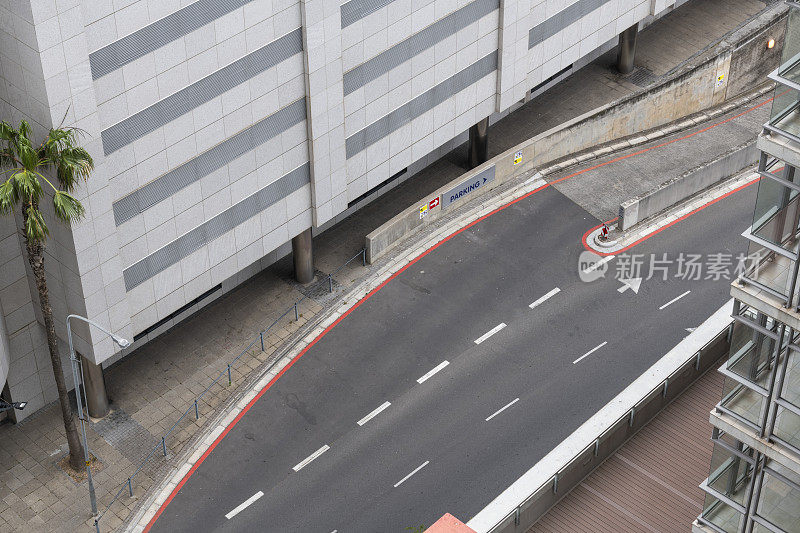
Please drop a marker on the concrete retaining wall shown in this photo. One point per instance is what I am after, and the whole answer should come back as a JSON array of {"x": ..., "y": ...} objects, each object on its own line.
[
  {"x": 697, "y": 86},
  {"x": 688, "y": 184}
]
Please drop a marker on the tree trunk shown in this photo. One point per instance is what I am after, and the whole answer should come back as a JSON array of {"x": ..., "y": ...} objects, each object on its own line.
[{"x": 36, "y": 259}]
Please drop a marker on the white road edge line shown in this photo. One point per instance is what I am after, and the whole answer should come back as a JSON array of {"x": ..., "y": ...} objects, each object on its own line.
[
  {"x": 674, "y": 300},
  {"x": 435, "y": 369},
  {"x": 491, "y": 332},
  {"x": 594, "y": 266},
  {"x": 244, "y": 505},
  {"x": 310, "y": 458},
  {"x": 545, "y": 297},
  {"x": 506, "y": 406},
  {"x": 373, "y": 414},
  {"x": 590, "y": 352},
  {"x": 417, "y": 469}
]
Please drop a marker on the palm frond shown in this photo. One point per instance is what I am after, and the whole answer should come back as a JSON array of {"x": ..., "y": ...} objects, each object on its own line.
[
  {"x": 67, "y": 208},
  {"x": 35, "y": 227},
  {"x": 9, "y": 196},
  {"x": 27, "y": 185},
  {"x": 74, "y": 163}
]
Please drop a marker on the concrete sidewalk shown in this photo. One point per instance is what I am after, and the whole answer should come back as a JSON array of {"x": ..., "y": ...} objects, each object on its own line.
[{"x": 151, "y": 387}]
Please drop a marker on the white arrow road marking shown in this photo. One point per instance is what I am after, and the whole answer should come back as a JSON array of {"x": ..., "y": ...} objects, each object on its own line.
[
  {"x": 417, "y": 469},
  {"x": 545, "y": 297},
  {"x": 594, "y": 266},
  {"x": 506, "y": 406},
  {"x": 632, "y": 284},
  {"x": 433, "y": 371},
  {"x": 310, "y": 458},
  {"x": 491, "y": 332},
  {"x": 674, "y": 300},
  {"x": 244, "y": 505},
  {"x": 590, "y": 352},
  {"x": 373, "y": 414}
]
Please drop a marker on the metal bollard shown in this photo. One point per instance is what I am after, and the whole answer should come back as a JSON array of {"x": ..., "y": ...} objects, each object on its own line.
[
  {"x": 296, "y": 316},
  {"x": 130, "y": 487},
  {"x": 364, "y": 257},
  {"x": 96, "y": 525},
  {"x": 164, "y": 446},
  {"x": 555, "y": 484},
  {"x": 666, "y": 384},
  {"x": 516, "y": 516},
  {"x": 262, "y": 340},
  {"x": 196, "y": 412},
  {"x": 630, "y": 422},
  {"x": 330, "y": 283},
  {"x": 229, "y": 375}
]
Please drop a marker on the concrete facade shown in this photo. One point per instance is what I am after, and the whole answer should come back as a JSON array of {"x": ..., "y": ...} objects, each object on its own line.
[{"x": 223, "y": 129}]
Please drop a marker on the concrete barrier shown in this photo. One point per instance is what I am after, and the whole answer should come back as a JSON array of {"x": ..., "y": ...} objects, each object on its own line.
[
  {"x": 699, "y": 85},
  {"x": 674, "y": 191}
]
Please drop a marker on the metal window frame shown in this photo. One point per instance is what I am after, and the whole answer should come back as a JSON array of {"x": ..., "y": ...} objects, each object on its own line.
[
  {"x": 710, "y": 525},
  {"x": 743, "y": 381},
  {"x": 766, "y": 523},
  {"x": 738, "y": 417},
  {"x": 748, "y": 234},
  {"x": 785, "y": 444},
  {"x": 758, "y": 327},
  {"x": 741, "y": 455},
  {"x": 774, "y": 473},
  {"x": 721, "y": 497}
]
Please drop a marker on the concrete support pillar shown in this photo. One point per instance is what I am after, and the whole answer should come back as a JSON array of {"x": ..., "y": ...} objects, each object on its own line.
[
  {"x": 303, "y": 255},
  {"x": 479, "y": 143},
  {"x": 627, "y": 49},
  {"x": 95, "y": 384}
]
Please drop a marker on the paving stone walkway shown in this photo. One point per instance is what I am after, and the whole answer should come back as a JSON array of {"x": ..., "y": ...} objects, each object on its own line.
[{"x": 154, "y": 385}]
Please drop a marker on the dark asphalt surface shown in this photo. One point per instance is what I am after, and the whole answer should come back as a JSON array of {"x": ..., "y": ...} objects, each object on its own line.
[{"x": 433, "y": 312}]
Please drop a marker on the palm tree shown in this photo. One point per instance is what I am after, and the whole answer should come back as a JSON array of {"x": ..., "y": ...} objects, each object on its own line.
[{"x": 25, "y": 166}]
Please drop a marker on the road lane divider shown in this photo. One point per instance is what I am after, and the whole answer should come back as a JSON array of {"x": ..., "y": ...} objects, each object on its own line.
[
  {"x": 491, "y": 332},
  {"x": 544, "y": 298},
  {"x": 673, "y": 300},
  {"x": 244, "y": 505},
  {"x": 417, "y": 469},
  {"x": 310, "y": 458},
  {"x": 594, "y": 266},
  {"x": 373, "y": 413},
  {"x": 506, "y": 406},
  {"x": 431, "y": 372},
  {"x": 590, "y": 352}
]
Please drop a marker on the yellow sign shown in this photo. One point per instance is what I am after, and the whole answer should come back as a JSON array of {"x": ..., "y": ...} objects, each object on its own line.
[
  {"x": 423, "y": 211},
  {"x": 518, "y": 157}
]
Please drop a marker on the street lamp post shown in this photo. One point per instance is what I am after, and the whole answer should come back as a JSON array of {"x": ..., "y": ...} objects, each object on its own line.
[
  {"x": 5, "y": 406},
  {"x": 122, "y": 343}
]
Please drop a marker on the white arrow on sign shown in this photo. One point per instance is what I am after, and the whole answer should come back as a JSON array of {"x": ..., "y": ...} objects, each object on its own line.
[{"x": 632, "y": 284}]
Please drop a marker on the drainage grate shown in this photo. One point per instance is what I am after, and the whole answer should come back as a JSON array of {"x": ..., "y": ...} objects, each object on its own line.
[{"x": 642, "y": 77}]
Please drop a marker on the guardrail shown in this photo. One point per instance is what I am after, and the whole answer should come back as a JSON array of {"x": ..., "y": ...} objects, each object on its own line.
[
  {"x": 582, "y": 464},
  {"x": 161, "y": 445}
]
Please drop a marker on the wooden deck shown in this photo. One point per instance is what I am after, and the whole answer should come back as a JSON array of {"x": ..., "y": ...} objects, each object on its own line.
[{"x": 651, "y": 483}]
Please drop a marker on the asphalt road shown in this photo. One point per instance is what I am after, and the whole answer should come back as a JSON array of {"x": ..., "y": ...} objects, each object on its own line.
[{"x": 434, "y": 312}]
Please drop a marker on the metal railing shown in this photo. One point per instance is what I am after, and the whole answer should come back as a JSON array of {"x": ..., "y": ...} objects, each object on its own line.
[
  {"x": 161, "y": 445},
  {"x": 583, "y": 463}
]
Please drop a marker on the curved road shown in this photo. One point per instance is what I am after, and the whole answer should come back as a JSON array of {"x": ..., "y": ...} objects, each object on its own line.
[{"x": 308, "y": 458}]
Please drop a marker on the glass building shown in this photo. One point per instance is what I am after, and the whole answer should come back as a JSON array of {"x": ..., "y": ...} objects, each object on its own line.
[{"x": 754, "y": 478}]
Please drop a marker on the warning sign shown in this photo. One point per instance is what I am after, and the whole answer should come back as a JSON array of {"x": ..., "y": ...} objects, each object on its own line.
[
  {"x": 720, "y": 80},
  {"x": 517, "y": 157},
  {"x": 423, "y": 211}
]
